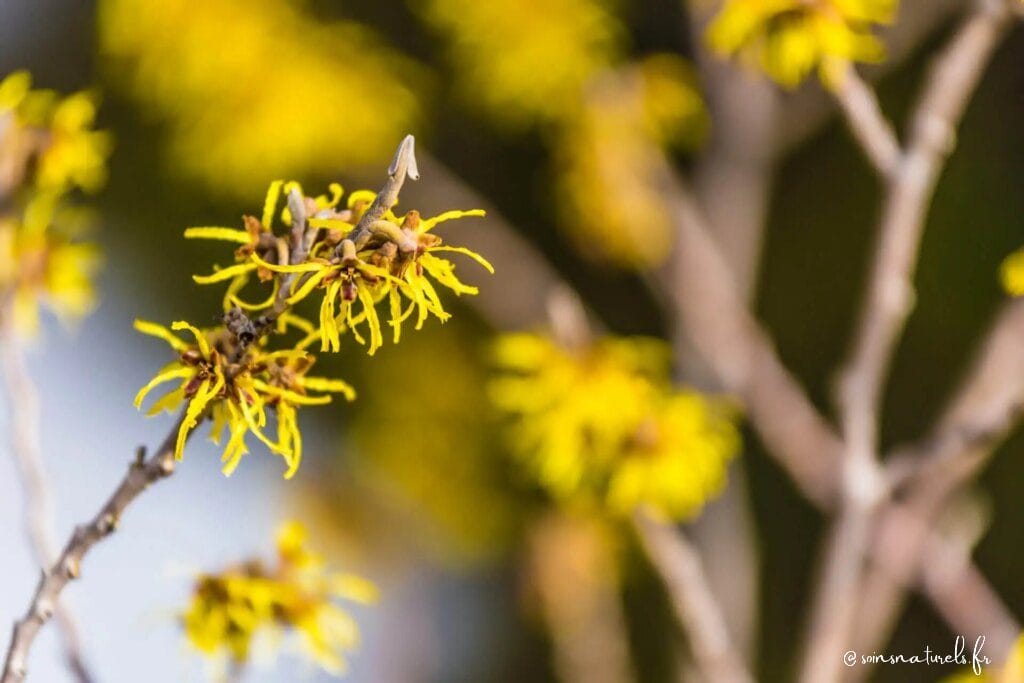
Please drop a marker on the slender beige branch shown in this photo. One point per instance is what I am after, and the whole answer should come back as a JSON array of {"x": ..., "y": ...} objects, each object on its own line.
[
  {"x": 721, "y": 328},
  {"x": 870, "y": 128},
  {"x": 23, "y": 403},
  {"x": 888, "y": 303},
  {"x": 696, "y": 609},
  {"x": 141, "y": 474},
  {"x": 572, "y": 571},
  {"x": 986, "y": 405}
]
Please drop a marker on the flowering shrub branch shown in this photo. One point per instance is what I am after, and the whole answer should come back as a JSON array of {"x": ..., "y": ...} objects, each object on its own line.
[
  {"x": 231, "y": 376},
  {"x": 48, "y": 150}
]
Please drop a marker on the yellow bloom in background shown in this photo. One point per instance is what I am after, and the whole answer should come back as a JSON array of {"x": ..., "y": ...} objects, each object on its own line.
[
  {"x": 1011, "y": 273},
  {"x": 612, "y": 167},
  {"x": 43, "y": 264},
  {"x": 788, "y": 39},
  {"x": 399, "y": 260},
  {"x": 47, "y": 148},
  {"x": 601, "y": 425},
  {"x": 257, "y": 88},
  {"x": 526, "y": 62},
  {"x": 236, "y": 388},
  {"x": 297, "y": 594},
  {"x": 56, "y": 133}
]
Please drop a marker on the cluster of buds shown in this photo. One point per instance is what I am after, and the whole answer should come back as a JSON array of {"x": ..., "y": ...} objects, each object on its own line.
[
  {"x": 360, "y": 254},
  {"x": 600, "y": 426},
  {"x": 48, "y": 150},
  {"x": 297, "y": 594}
]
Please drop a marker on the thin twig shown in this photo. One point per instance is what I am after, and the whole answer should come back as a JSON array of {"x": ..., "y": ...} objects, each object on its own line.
[
  {"x": 695, "y": 607},
  {"x": 141, "y": 474},
  {"x": 887, "y": 306},
  {"x": 874, "y": 133},
  {"x": 23, "y": 404}
]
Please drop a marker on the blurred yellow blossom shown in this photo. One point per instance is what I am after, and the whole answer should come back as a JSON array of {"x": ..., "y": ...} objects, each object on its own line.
[
  {"x": 602, "y": 425},
  {"x": 1011, "y": 273},
  {"x": 42, "y": 263},
  {"x": 47, "y": 148},
  {"x": 788, "y": 39},
  {"x": 237, "y": 386},
  {"x": 298, "y": 593},
  {"x": 612, "y": 167},
  {"x": 526, "y": 62},
  {"x": 254, "y": 88},
  {"x": 49, "y": 137}
]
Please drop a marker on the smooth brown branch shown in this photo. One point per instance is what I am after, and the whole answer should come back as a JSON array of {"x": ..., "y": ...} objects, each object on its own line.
[
  {"x": 887, "y": 306},
  {"x": 870, "y": 128},
  {"x": 141, "y": 474},
  {"x": 572, "y": 571},
  {"x": 716, "y": 319},
  {"x": 907, "y": 553},
  {"x": 890, "y": 294},
  {"x": 983, "y": 410},
  {"x": 695, "y": 607},
  {"x": 23, "y": 403}
]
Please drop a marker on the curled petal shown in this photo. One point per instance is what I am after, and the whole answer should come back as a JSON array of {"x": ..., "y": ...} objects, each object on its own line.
[
  {"x": 160, "y": 332},
  {"x": 210, "y": 232},
  {"x": 430, "y": 223},
  {"x": 224, "y": 274}
]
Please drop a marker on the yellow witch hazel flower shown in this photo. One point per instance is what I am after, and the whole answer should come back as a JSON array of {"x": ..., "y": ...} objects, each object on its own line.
[
  {"x": 788, "y": 39},
  {"x": 356, "y": 257},
  {"x": 297, "y": 595},
  {"x": 237, "y": 386},
  {"x": 601, "y": 425}
]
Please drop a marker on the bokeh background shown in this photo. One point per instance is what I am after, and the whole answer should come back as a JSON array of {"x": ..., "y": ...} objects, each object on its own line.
[{"x": 209, "y": 101}]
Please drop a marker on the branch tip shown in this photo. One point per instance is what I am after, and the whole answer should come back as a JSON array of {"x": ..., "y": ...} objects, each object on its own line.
[{"x": 404, "y": 162}]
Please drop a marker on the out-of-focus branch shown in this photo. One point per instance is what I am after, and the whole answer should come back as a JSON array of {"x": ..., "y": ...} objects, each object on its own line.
[
  {"x": 729, "y": 339},
  {"x": 982, "y": 411},
  {"x": 141, "y": 474},
  {"x": 964, "y": 598},
  {"x": 695, "y": 607},
  {"x": 574, "y": 575},
  {"x": 23, "y": 403},
  {"x": 731, "y": 179},
  {"x": 889, "y": 300},
  {"x": 870, "y": 128}
]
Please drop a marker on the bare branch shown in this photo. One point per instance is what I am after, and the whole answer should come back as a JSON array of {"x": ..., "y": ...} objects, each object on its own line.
[
  {"x": 983, "y": 410},
  {"x": 572, "y": 570},
  {"x": 695, "y": 607},
  {"x": 68, "y": 564},
  {"x": 870, "y": 128},
  {"x": 717, "y": 321},
  {"x": 23, "y": 402}
]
